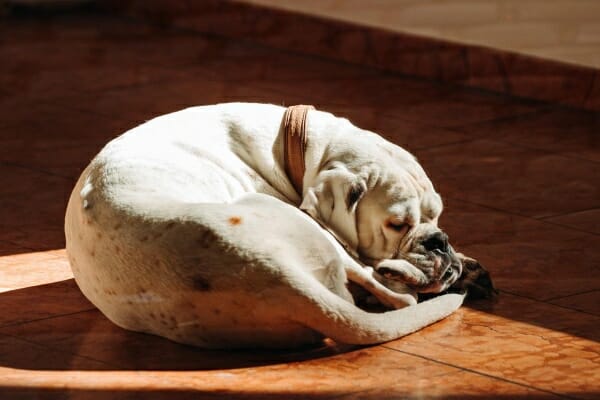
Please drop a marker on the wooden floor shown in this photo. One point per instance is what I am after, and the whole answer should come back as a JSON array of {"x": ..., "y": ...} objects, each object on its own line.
[{"x": 520, "y": 181}]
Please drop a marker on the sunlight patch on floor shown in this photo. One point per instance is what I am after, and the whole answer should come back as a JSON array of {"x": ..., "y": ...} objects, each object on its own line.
[{"x": 23, "y": 270}]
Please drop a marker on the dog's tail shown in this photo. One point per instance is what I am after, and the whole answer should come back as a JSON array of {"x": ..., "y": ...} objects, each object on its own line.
[{"x": 343, "y": 322}]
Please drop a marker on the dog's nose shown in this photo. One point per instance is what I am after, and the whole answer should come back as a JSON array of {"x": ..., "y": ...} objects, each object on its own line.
[{"x": 437, "y": 241}]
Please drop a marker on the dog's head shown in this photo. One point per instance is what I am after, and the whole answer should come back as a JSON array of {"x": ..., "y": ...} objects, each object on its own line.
[{"x": 375, "y": 197}]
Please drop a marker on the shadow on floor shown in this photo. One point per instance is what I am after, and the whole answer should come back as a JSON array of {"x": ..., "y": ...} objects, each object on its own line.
[{"x": 58, "y": 317}]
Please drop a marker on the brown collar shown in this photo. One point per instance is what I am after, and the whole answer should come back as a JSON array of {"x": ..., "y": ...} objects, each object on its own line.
[{"x": 294, "y": 143}]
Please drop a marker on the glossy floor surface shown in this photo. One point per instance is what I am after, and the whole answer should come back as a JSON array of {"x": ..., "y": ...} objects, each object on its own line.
[
  {"x": 561, "y": 30},
  {"x": 519, "y": 179}
]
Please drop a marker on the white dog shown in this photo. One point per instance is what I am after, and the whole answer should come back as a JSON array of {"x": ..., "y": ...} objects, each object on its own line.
[{"x": 191, "y": 227}]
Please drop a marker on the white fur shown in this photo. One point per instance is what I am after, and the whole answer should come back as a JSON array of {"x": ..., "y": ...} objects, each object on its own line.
[{"x": 187, "y": 227}]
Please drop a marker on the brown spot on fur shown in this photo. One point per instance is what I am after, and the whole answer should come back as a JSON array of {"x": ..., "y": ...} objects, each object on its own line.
[
  {"x": 217, "y": 311},
  {"x": 169, "y": 225},
  {"x": 235, "y": 220},
  {"x": 144, "y": 239},
  {"x": 99, "y": 235},
  {"x": 200, "y": 284},
  {"x": 117, "y": 249},
  {"x": 117, "y": 226}
]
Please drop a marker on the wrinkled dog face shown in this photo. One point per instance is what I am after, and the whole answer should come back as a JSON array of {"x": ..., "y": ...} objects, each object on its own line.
[
  {"x": 398, "y": 234},
  {"x": 380, "y": 202},
  {"x": 427, "y": 263}
]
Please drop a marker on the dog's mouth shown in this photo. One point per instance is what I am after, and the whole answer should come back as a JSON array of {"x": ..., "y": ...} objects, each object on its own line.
[{"x": 430, "y": 272}]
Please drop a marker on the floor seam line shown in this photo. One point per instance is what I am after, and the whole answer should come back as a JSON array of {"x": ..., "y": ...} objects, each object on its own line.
[
  {"x": 546, "y": 302},
  {"x": 551, "y": 152},
  {"x": 569, "y": 213},
  {"x": 538, "y": 219},
  {"x": 572, "y": 295},
  {"x": 473, "y": 371},
  {"x": 58, "y": 349},
  {"x": 13, "y": 324},
  {"x": 34, "y": 169},
  {"x": 510, "y": 118}
]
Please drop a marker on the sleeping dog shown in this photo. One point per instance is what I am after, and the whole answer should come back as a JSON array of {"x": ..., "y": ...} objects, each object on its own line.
[{"x": 242, "y": 225}]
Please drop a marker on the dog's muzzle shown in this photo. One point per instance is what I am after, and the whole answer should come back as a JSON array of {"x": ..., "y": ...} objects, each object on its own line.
[
  {"x": 447, "y": 266},
  {"x": 431, "y": 265},
  {"x": 446, "y": 271}
]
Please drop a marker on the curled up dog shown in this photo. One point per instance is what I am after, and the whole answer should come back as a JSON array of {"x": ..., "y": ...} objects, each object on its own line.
[{"x": 241, "y": 225}]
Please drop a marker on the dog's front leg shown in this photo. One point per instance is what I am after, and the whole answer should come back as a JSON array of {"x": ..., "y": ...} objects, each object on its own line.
[
  {"x": 402, "y": 271},
  {"x": 367, "y": 278}
]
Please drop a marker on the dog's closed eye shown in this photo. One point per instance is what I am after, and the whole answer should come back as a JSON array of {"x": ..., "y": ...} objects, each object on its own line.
[{"x": 397, "y": 225}]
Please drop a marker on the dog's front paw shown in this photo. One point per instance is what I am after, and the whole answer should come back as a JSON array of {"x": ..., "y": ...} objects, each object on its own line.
[{"x": 475, "y": 279}]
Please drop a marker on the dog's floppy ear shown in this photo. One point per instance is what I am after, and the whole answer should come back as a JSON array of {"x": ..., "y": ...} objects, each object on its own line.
[
  {"x": 310, "y": 202},
  {"x": 354, "y": 193},
  {"x": 333, "y": 189},
  {"x": 332, "y": 200}
]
